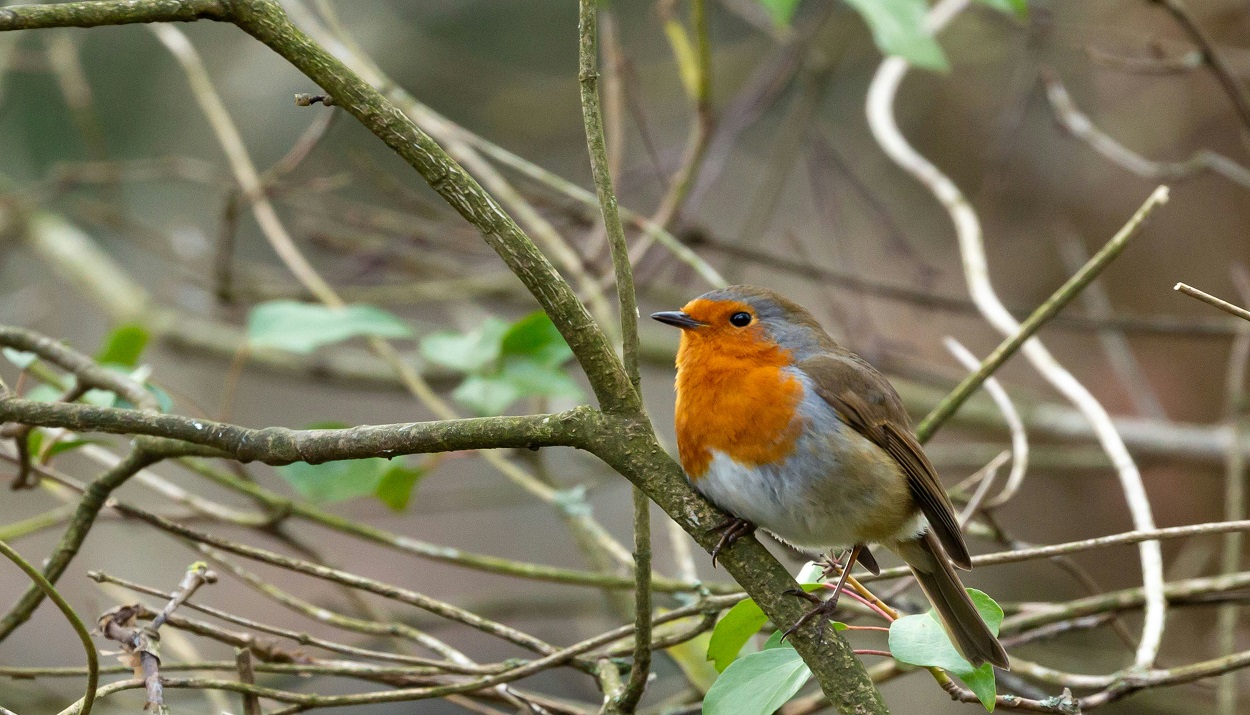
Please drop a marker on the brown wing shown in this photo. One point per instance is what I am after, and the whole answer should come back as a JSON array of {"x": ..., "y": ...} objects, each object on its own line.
[{"x": 864, "y": 399}]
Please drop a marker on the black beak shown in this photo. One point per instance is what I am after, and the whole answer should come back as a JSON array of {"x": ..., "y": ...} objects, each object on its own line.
[{"x": 677, "y": 318}]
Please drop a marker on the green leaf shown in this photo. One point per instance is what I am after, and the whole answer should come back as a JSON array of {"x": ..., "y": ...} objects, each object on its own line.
[
  {"x": 535, "y": 379},
  {"x": 736, "y": 627},
  {"x": 19, "y": 358},
  {"x": 486, "y": 395},
  {"x": 757, "y": 683},
  {"x": 898, "y": 28},
  {"x": 1019, "y": 8},
  {"x": 733, "y": 631},
  {"x": 69, "y": 445},
  {"x": 302, "y": 327},
  {"x": 921, "y": 640},
  {"x": 336, "y": 481},
  {"x": 34, "y": 440},
  {"x": 124, "y": 345},
  {"x": 396, "y": 485},
  {"x": 468, "y": 352},
  {"x": 536, "y": 338},
  {"x": 505, "y": 362},
  {"x": 43, "y": 393},
  {"x": 164, "y": 402},
  {"x": 981, "y": 681},
  {"x": 492, "y": 394},
  {"x": 782, "y": 11},
  {"x": 99, "y": 398}
]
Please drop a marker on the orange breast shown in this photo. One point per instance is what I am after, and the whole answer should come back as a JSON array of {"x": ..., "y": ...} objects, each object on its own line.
[{"x": 740, "y": 404}]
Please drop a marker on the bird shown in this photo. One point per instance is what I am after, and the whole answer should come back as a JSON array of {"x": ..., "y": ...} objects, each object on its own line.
[{"x": 784, "y": 429}]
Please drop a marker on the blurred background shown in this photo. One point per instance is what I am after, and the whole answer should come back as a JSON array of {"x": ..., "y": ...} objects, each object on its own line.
[{"x": 107, "y": 144}]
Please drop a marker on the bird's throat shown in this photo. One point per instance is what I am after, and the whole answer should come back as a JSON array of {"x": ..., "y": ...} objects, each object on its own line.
[{"x": 745, "y": 407}]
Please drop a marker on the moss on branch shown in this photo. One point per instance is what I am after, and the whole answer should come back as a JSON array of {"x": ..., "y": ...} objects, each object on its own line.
[
  {"x": 97, "y": 14},
  {"x": 280, "y": 445}
]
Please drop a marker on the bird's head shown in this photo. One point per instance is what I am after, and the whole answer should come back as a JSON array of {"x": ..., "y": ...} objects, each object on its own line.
[{"x": 747, "y": 322}]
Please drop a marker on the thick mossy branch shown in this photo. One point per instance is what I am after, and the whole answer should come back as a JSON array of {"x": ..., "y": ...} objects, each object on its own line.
[
  {"x": 279, "y": 445},
  {"x": 97, "y": 14}
]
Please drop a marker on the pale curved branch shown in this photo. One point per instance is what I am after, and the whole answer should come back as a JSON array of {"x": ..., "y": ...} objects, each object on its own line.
[{"x": 880, "y": 113}]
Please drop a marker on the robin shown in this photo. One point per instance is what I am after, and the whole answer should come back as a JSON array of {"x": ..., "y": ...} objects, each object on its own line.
[{"x": 784, "y": 429}]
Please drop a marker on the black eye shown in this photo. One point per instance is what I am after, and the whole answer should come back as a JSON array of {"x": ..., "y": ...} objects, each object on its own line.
[{"x": 740, "y": 320}]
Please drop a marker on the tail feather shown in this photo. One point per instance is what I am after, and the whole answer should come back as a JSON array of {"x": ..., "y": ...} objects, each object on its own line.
[{"x": 938, "y": 580}]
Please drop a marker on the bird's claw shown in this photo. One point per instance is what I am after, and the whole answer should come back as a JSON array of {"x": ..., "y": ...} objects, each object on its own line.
[
  {"x": 731, "y": 531},
  {"x": 830, "y": 567},
  {"x": 823, "y": 610}
]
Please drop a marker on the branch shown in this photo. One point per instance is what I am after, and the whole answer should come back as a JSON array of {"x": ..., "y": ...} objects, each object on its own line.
[
  {"x": 1021, "y": 334},
  {"x": 1083, "y": 128},
  {"x": 880, "y": 114},
  {"x": 280, "y": 445},
  {"x": 1209, "y": 299},
  {"x": 89, "y": 507},
  {"x": 588, "y": 77},
  {"x": 86, "y": 372},
  {"x": 1073, "y": 547},
  {"x": 93, "y": 662},
  {"x": 96, "y": 14},
  {"x": 1219, "y": 67}
]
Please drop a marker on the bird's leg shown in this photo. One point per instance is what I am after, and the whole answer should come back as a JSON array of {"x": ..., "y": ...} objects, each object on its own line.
[
  {"x": 732, "y": 530},
  {"x": 824, "y": 609}
]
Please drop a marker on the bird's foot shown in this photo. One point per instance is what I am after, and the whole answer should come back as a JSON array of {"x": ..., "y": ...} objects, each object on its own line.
[
  {"x": 831, "y": 568},
  {"x": 823, "y": 611},
  {"x": 732, "y": 530},
  {"x": 826, "y": 608}
]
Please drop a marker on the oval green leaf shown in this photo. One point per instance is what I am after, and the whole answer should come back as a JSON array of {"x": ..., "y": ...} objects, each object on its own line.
[
  {"x": 303, "y": 327},
  {"x": 336, "y": 481},
  {"x": 899, "y": 29},
  {"x": 736, "y": 627},
  {"x": 468, "y": 353},
  {"x": 757, "y": 683},
  {"x": 124, "y": 345},
  {"x": 921, "y": 640}
]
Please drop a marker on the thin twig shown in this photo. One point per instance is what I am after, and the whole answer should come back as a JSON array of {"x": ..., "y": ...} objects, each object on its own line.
[
  {"x": 1019, "y": 438},
  {"x": 1023, "y": 332},
  {"x": 588, "y": 76},
  {"x": 1233, "y": 87},
  {"x": 1072, "y": 547},
  {"x": 1212, "y": 300},
  {"x": 247, "y": 674},
  {"x": 44, "y": 585},
  {"x": 1079, "y": 125}
]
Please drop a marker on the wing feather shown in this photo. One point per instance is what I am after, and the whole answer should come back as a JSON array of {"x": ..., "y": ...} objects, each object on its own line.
[{"x": 866, "y": 401}]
